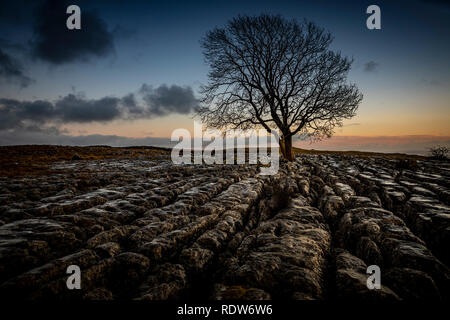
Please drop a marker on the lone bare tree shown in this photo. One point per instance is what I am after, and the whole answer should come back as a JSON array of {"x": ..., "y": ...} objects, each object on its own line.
[{"x": 279, "y": 74}]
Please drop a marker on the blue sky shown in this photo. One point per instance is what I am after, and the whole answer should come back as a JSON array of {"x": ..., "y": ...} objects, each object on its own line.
[{"x": 402, "y": 69}]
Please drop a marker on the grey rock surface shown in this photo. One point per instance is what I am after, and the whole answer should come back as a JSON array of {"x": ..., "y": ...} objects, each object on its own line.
[{"x": 149, "y": 230}]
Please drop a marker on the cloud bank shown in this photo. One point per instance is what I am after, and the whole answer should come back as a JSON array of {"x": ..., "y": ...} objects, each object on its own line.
[
  {"x": 147, "y": 103},
  {"x": 54, "y": 136},
  {"x": 164, "y": 99}
]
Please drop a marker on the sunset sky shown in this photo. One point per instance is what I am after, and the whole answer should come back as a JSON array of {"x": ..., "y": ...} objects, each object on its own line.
[{"x": 86, "y": 89}]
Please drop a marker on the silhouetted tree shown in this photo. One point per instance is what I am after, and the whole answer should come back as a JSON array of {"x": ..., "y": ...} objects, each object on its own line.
[
  {"x": 439, "y": 152},
  {"x": 279, "y": 74}
]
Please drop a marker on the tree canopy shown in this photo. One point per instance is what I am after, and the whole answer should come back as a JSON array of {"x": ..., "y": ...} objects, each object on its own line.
[{"x": 270, "y": 72}]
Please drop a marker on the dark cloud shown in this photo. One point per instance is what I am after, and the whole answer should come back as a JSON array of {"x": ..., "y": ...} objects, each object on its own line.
[
  {"x": 75, "y": 108},
  {"x": 54, "y": 43},
  {"x": 129, "y": 101},
  {"x": 15, "y": 113},
  {"x": 72, "y": 108},
  {"x": 12, "y": 71},
  {"x": 164, "y": 100},
  {"x": 371, "y": 66}
]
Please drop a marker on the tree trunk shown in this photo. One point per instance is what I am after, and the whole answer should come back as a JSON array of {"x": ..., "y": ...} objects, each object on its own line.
[{"x": 286, "y": 148}]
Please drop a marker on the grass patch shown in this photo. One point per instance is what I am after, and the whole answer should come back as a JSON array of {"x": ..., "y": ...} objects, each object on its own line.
[{"x": 37, "y": 159}]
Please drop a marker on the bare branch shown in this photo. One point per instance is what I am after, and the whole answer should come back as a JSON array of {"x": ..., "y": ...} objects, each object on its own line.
[{"x": 275, "y": 73}]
